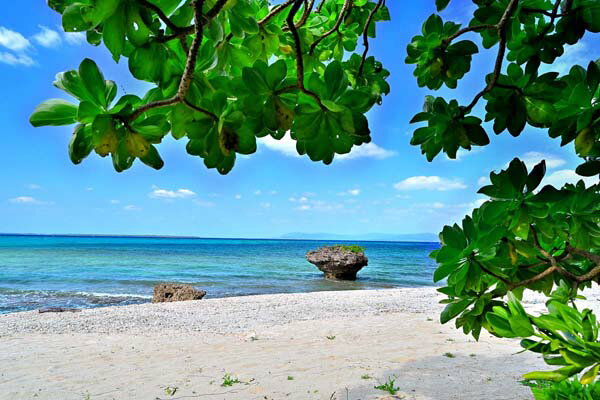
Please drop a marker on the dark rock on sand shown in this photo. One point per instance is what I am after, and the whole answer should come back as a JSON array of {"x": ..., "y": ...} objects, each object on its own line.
[
  {"x": 338, "y": 262},
  {"x": 167, "y": 292}
]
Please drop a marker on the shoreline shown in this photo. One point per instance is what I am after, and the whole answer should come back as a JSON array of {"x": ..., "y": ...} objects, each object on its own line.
[{"x": 322, "y": 345}]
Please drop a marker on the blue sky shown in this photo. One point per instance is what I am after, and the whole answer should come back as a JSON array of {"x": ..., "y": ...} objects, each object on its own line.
[{"x": 384, "y": 187}]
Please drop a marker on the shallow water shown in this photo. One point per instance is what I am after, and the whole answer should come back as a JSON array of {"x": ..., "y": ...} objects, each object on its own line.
[{"x": 44, "y": 271}]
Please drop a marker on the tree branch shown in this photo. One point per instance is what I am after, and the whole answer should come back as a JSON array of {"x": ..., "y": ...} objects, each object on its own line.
[
  {"x": 210, "y": 14},
  {"x": 200, "y": 109},
  {"x": 366, "y": 37},
  {"x": 188, "y": 73},
  {"x": 308, "y": 5},
  {"x": 297, "y": 43},
  {"x": 320, "y": 6},
  {"x": 276, "y": 10},
  {"x": 299, "y": 60},
  {"x": 501, "y": 27},
  {"x": 160, "y": 13},
  {"x": 475, "y": 28},
  {"x": 336, "y": 27},
  {"x": 586, "y": 254}
]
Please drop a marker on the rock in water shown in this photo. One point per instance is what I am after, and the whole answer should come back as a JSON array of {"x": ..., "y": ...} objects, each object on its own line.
[
  {"x": 167, "y": 292},
  {"x": 338, "y": 262}
]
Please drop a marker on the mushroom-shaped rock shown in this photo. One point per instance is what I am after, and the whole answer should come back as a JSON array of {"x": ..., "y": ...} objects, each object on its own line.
[
  {"x": 338, "y": 262},
  {"x": 168, "y": 292}
]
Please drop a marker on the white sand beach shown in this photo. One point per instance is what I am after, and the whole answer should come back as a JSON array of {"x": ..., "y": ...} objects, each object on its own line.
[{"x": 326, "y": 345}]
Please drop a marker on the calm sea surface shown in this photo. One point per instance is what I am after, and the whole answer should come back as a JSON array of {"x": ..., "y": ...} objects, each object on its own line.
[{"x": 44, "y": 271}]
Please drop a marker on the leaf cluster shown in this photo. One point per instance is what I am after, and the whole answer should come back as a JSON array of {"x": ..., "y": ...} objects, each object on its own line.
[{"x": 224, "y": 73}]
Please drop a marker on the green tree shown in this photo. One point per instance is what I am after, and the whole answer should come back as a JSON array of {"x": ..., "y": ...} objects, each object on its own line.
[
  {"x": 224, "y": 73},
  {"x": 229, "y": 71},
  {"x": 525, "y": 237}
]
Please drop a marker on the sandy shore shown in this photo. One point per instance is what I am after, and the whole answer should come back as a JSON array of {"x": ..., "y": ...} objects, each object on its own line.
[{"x": 327, "y": 345}]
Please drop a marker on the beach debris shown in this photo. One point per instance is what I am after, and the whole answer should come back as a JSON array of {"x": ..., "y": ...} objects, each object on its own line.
[
  {"x": 168, "y": 292},
  {"x": 57, "y": 310},
  {"x": 338, "y": 262}
]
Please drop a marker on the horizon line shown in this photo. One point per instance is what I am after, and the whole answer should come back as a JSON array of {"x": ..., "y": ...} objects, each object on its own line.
[{"x": 149, "y": 236}]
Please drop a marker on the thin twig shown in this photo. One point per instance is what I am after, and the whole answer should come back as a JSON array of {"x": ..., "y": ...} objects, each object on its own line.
[
  {"x": 200, "y": 109},
  {"x": 501, "y": 27},
  {"x": 160, "y": 13},
  {"x": 276, "y": 10},
  {"x": 366, "y": 37},
  {"x": 335, "y": 28},
  {"x": 475, "y": 28},
  {"x": 188, "y": 73}
]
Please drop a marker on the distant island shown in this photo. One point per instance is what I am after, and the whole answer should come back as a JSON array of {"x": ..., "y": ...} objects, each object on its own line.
[
  {"x": 368, "y": 237},
  {"x": 384, "y": 237}
]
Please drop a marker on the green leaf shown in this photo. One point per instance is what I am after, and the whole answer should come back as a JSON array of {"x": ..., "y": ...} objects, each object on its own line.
[
  {"x": 590, "y": 375},
  {"x": 152, "y": 159},
  {"x": 453, "y": 309},
  {"x": 535, "y": 176},
  {"x": 54, "y": 112},
  {"x": 81, "y": 144},
  {"x": 441, "y": 4},
  {"x": 93, "y": 81},
  {"x": 113, "y": 33}
]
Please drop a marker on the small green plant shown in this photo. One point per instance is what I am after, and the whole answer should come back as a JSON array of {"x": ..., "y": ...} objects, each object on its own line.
[
  {"x": 86, "y": 396},
  {"x": 566, "y": 389},
  {"x": 449, "y": 355},
  {"x": 389, "y": 386},
  {"x": 365, "y": 376},
  {"x": 330, "y": 337},
  {"x": 228, "y": 380},
  {"x": 350, "y": 247},
  {"x": 290, "y": 378},
  {"x": 170, "y": 391}
]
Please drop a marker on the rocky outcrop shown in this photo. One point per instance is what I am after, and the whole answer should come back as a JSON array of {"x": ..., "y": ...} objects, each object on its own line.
[
  {"x": 167, "y": 292},
  {"x": 338, "y": 262}
]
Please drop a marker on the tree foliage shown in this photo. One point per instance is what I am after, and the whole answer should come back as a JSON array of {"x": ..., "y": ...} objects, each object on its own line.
[
  {"x": 225, "y": 72},
  {"x": 525, "y": 236}
]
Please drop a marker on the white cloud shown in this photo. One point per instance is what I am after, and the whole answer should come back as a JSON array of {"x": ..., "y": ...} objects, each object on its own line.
[
  {"x": 257, "y": 192},
  {"x": 158, "y": 193},
  {"x": 560, "y": 177},
  {"x": 18, "y": 59},
  {"x": 238, "y": 196},
  {"x": 13, "y": 40},
  {"x": 302, "y": 199},
  {"x": 532, "y": 158},
  {"x": 350, "y": 192},
  {"x": 114, "y": 202},
  {"x": 265, "y": 205},
  {"x": 429, "y": 183},
  {"x": 303, "y": 207},
  {"x": 74, "y": 38},
  {"x": 25, "y": 200},
  {"x": 33, "y": 186},
  {"x": 287, "y": 146},
  {"x": 483, "y": 180},
  {"x": 367, "y": 150},
  {"x": 47, "y": 37},
  {"x": 131, "y": 207}
]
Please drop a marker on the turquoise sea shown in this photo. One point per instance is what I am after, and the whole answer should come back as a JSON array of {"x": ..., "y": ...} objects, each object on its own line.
[{"x": 93, "y": 271}]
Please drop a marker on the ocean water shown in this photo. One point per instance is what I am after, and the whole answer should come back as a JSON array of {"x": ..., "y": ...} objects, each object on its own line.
[{"x": 83, "y": 272}]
